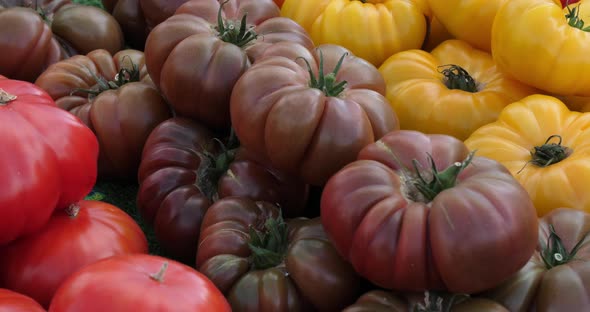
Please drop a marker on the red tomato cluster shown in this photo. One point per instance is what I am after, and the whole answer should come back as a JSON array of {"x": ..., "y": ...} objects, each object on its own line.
[{"x": 294, "y": 155}]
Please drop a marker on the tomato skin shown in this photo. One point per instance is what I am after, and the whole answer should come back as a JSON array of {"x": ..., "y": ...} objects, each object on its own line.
[
  {"x": 379, "y": 223},
  {"x": 561, "y": 288},
  {"x": 11, "y": 301},
  {"x": 276, "y": 113},
  {"x": 122, "y": 118},
  {"x": 174, "y": 193},
  {"x": 190, "y": 36},
  {"x": 124, "y": 283},
  {"x": 36, "y": 265},
  {"x": 55, "y": 168},
  {"x": 312, "y": 276}
]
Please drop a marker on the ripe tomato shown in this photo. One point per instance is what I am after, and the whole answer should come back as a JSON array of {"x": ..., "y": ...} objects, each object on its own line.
[{"x": 11, "y": 301}]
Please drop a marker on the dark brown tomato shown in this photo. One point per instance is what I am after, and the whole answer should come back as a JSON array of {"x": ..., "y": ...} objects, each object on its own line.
[
  {"x": 262, "y": 263},
  {"x": 304, "y": 128},
  {"x": 195, "y": 60},
  {"x": 557, "y": 277},
  {"x": 27, "y": 44},
  {"x": 184, "y": 170},
  {"x": 122, "y": 116},
  {"x": 157, "y": 11},
  {"x": 419, "y": 212},
  {"x": 385, "y": 301}
]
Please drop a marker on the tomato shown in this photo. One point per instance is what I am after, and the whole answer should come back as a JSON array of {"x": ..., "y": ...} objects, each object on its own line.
[
  {"x": 115, "y": 97},
  {"x": 384, "y": 301},
  {"x": 139, "y": 282},
  {"x": 374, "y": 30},
  {"x": 557, "y": 277},
  {"x": 452, "y": 90},
  {"x": 11, "y": 301},
  {"x": 84, "y": 233},
  {"x": 34, "y": 36},
  {"x": 264, "y": 263},
  {"x": 56, "y": 166},
  {"x": 533, "y": 41},
  {"x": 194, "y": 55},
  {"x": 310, "y": 113},
  {"x": 184, "y": 170},
  {"x": 544, "y": 145},
  {"x": 417, "y": 212}
]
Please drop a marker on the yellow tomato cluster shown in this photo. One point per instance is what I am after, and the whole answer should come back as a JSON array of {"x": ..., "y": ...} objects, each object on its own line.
[{"x": 510, "y": 77}]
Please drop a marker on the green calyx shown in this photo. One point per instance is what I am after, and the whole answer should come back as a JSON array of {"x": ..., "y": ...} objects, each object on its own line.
[
  {"x": 327, "y": 83},
  {"x": 269, "y": 246},
  {"x": 6, "y": 97},
  {"x": 440, "y": 181},
  {"x": 439, "y": 302},
  {"x": 548, "y": 153},
  {"x": 573, "y": 18},
  {"x": 457, "y": 78},
  {"x": 234, "y": 32},
  {"x": 124, "y": 76},
  {"x": 554, "y": 252},
  {"x": 215, "y": 165}
]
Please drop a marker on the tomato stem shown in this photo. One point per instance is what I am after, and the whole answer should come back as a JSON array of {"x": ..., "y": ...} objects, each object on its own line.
[
  {"x": 326, "y": 83},
  {"x": 73, "y": 210},
  {"x": 269, "y": 246},
  {"x": 439, "y": 302},
  {"x": 234, "y": 32},
  {"x": 6, "y": 97},
  {"x": 215, "y": 165},
  {"x": 548, "y": 153},
  {"x": 159, "y": 276},
  {"x": 440, "y": 180},
  {"x": 554, "y": 252},
  {"x": 457, "y": 78},
  {"x": 573, "y": 18},
  {"x": 124, "y": 76}
]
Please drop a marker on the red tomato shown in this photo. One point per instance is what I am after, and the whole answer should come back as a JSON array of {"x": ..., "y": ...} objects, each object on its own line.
[
  {"x": 50, "y": 160},
  {"x": 11, "y": 301},
  {"x": 564, "y": 3},
  {"x": 84, "y": 233},
  {"x": 138, "y": 282}
]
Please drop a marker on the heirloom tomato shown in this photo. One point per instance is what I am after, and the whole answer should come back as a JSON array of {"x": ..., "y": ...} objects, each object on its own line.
[
  {"x": 384, "y": 301},
  {"x": 452, "y": 90},
  {"x": 138, "y": 282},
  {"x": 196, "y": 56},
  {"x": 468, "y": 20},
  {"x": 83, "y": 233},
  {"x": 114, "y": 96},
  {"x": 184, "y": 169},
  {"x": 310, "y": 113},
  {"x": 557, "y": 277},
  {"x": 420, "y": 212},
  {"x": 264, "y": 263},
  {"x": 372, "y": 30},
  {"x": 544, "y": 45},
  {"x": 50, "y": 159},
  {"x": 545, "y": 146},
  {"x": 11, "y": 301},
  {"x": 36, "y": 34}
]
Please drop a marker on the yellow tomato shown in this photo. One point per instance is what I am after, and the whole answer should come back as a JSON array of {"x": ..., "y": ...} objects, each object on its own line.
[
  {"x": 532, "y": 41},
  {"x": 373, "y": 30},
  {"x": 468, "y": 20},
  {"x": 545, "y": 146},
  {"x": 448, "y": 100}
]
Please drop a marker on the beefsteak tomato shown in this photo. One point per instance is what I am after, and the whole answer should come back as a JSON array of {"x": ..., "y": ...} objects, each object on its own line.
[
  {"x": 138, "y": 282},
  {"x": 544, "y": 45},
  {"x": 545, "y": 146},
  {"x": 310, "y": 113},
  {"x": 114, "y": 96},
  {"x": 196, "y": 56},
  {"x": 82, "y": 234},
  {"x": 557, "y": 277},
  {"x": 452, "y": 90},
  {"x": 183, "y": 171},
  {"x": 263, "y": 263},
  {"x": 465, "y": 228},
  {"x": 11, "y": 301},
  {"x": 372, "y": 30},
  {"x": 50, "y": 162}
]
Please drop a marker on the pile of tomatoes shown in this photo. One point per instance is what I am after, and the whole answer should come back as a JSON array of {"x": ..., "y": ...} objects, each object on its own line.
[{"x": 296, "y": 155}]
